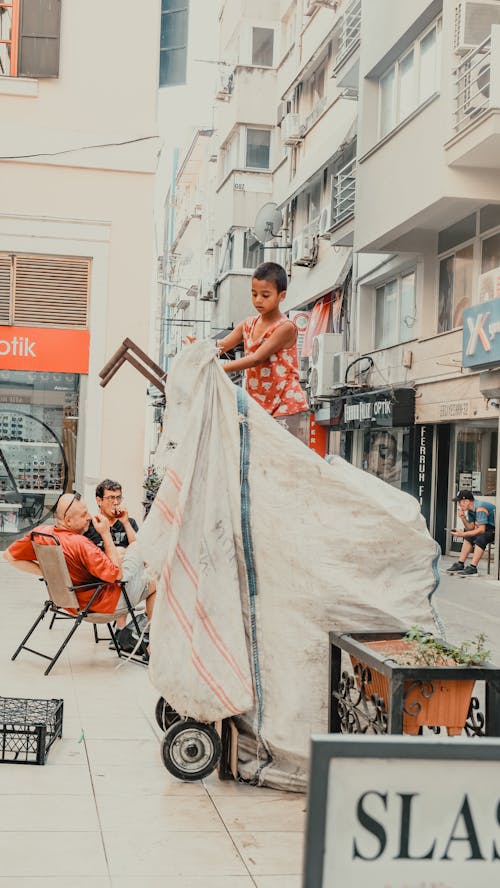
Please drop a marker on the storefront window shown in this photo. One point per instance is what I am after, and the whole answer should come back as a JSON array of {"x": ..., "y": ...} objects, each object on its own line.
[
  {"x": 38, "y": 433},
  {"x": 476, "y": 459},
  {"x": 386, "y": 454}
]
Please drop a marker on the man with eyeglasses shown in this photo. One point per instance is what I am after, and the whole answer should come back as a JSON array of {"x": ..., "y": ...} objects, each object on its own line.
[
  {"x": 110, "y": 501},
  {"x": 86, "y": 562}
]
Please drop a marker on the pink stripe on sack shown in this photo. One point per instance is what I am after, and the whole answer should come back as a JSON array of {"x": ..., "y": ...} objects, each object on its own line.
[
  {"x": 211, "y": 682},
  {"x": 188, "y": 567},
  {"x": 174, "y": 477},
  {"x": 207, "y": 624},
  {"x": 166, "y": 511},
  {"x": 195, "y": 657},
  {"x": 182, "y": 617},
  {"x": 221, "y": 646}
]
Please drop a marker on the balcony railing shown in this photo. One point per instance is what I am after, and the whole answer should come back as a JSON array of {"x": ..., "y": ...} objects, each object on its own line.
[
  {"x": 351, "y": 33},
  {"x": 344, "y": 193},
  {"x": 473, "y": 86}
]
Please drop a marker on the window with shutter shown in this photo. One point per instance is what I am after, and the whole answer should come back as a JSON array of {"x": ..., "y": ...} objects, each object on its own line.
[
  {"x": 51, "y": 291},
  {"x": 5, "y": 279},
  {"x": 39, "y": 38}
]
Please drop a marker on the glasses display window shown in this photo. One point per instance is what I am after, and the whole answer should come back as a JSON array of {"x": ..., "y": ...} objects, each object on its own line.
[
  {"x": 386, "y": 454},
  {"x": 38, "y": 431}
]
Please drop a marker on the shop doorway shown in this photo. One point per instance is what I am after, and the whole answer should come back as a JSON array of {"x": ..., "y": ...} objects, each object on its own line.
[{"x": 473, "y": 465}]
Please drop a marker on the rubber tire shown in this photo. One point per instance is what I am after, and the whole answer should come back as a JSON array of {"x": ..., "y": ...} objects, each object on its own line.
[
  {"x": 178, "y": 736},
  {"x": 165, "y": 715}
]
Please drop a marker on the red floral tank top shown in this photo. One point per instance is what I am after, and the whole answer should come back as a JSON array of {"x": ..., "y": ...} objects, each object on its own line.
[{"x": 275, "y": 383}]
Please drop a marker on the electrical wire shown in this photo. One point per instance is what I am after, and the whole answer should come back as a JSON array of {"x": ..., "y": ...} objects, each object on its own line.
[{"x": 79, "y": 148}]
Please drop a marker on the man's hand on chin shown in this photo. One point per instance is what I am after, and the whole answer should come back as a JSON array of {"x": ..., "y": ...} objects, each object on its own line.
[{"x": 100, "y": 523}]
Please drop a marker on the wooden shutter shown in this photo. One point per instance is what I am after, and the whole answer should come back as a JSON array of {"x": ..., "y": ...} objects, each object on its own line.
[
  {"x": 51, "y": 291},
  {"x": 5, "y": 277},
  {"x": 39, "y": 38}
]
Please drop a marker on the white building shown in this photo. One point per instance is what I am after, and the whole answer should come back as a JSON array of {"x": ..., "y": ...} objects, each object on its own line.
[
  {"x": 427, "y": 234},
  {"x": 78, "y": 156}
]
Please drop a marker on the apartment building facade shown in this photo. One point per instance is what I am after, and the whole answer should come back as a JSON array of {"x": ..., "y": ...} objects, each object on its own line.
[
  {"x": 426, "y": 237},
  {"x": 375, "y": 129},
  {"x": 77, "y": 253}
]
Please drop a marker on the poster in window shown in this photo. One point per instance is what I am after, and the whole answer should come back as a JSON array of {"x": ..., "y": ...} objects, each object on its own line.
[{"x": 383, "y": 456}]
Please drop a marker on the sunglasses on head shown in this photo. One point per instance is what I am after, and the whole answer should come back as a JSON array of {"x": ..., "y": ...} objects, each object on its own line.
[{"x": 76, "y": 497}]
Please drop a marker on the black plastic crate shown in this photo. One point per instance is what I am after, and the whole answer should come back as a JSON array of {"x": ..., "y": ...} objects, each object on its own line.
[{"x": 28, "y": 729}]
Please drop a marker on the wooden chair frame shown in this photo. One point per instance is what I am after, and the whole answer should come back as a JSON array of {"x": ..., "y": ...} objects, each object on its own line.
[{"x": 62, "y": 595}]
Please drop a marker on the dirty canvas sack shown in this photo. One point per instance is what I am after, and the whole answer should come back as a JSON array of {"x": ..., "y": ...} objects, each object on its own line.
[{"x": 261, "y": 548}]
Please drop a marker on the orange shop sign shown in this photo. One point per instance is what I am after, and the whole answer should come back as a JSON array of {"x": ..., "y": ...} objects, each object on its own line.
[{"x": 44, "y": 348}]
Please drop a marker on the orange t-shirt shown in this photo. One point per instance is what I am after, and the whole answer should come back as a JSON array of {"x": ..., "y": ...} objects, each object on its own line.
[
  {"x": 85, "y": 562},
  {"x": 275, "y": 383}
]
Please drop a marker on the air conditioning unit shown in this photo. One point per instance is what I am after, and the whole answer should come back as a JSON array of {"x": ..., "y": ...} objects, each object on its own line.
[
  {"x": 489, "y": 285},
  {"x": 324, "y": 348},
  {"x": 207, "y": 292},
  {"x": 325, "y": 221},
  {"x": 341, "y": 362},
  {"x": 284, "y": 108},
  {"x": 171, "y": 349},
  {"x": 473, "y": 21},
  {"x": 291, "y": 130},
  {"x": 312, "y": 5},
  {"x": 224, "y": 86},
  {"x": 475, "y": 88},
  {"x": 303, "y": 249},
  {"x": 325, "y": 344}
]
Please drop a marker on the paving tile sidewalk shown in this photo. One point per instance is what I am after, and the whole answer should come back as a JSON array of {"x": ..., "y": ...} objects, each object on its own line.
[{"x": 104, "y": 812}]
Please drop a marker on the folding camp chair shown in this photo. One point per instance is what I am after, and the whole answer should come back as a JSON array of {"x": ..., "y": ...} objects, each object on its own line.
[{"x": 62, "y": 595}]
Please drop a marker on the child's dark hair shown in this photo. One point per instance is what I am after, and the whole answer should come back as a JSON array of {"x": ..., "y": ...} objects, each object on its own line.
[{"x": 271, "y": 271}]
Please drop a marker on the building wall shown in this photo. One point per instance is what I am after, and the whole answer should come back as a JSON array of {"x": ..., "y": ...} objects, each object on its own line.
[{"x": 97, "y": 202}]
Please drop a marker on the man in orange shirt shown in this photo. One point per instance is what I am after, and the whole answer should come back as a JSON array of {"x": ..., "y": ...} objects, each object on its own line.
[{"x": 86, "y": 562}]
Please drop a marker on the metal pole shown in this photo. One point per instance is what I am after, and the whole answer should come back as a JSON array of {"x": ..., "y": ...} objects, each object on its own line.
[{"x": 173, "y": 191}]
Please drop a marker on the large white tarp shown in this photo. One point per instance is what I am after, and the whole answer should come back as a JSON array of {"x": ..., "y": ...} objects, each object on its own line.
[{"x": 241, "y": 623}]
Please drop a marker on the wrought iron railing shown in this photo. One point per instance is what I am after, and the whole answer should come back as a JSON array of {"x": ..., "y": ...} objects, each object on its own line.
[
  {"x": 344, "y": 193},
  {"x": 472, "y": 85},
  {"x": 351, "y": 32}
]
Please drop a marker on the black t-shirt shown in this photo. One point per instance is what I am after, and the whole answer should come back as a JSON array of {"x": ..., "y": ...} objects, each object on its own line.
[{"x": 118, "y": 534}]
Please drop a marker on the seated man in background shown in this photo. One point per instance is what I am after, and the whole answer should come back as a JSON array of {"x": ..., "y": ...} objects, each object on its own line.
[
  {"x": 86, "y": 562},
  {"x": 478, "y": 518},
  {"x": 109, "y": 497}
]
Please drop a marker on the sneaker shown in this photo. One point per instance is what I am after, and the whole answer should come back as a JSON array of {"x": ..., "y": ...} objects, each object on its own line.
[
  {"x": 469, "y": 571},
  {"x": 459, "y": 565}
]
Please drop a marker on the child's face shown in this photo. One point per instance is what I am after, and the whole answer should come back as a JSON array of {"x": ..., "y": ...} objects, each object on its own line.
[{"x": 265, "y": 296}]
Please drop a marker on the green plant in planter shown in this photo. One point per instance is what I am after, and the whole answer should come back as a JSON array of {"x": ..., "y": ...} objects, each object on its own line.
[
  {"x": 152, "y": 481},
  {"x": 431, "y": 651}
]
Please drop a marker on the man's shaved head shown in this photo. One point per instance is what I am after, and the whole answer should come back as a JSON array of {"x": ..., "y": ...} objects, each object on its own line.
[{"x": 62, "y": 504}]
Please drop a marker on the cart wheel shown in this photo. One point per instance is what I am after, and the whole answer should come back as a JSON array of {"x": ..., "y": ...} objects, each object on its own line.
[
  {"x": 191, "y": 750},
  {"x": 165, "y": 715}
]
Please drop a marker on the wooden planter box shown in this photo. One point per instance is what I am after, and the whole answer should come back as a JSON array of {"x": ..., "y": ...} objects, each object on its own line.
[{"x": 381, "y": 696}]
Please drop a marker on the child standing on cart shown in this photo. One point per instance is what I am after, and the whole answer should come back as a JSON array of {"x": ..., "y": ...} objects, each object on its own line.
[{"x": 269, "y": 338}]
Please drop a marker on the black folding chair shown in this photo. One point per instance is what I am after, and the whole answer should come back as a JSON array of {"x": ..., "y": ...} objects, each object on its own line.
[{"x": 62, "y": 595}]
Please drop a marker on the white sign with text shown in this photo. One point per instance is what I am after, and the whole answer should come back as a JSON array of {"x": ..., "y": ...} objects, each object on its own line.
[
  {"x": 388, "y": 811},
  {"x": 412, "y": 823}
]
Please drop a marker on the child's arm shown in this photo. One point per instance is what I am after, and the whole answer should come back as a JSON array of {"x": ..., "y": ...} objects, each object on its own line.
[
  {"x": 233, "y": 338},
  {"x": 283, "y": 337}
]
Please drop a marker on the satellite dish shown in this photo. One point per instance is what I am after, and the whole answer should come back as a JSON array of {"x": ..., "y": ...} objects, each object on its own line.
[{"x": 267, "y": 223}]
